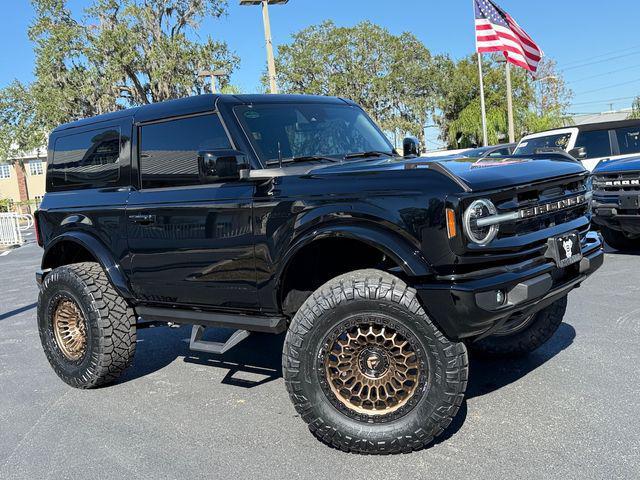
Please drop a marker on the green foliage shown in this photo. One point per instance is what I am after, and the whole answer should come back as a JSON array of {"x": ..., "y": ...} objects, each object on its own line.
[
  {"x": 391, "y": 76},
  {"x": 635, "y": 108},
  {"x": 537, "y": 105},
  {"x": 119, "y": 53}
]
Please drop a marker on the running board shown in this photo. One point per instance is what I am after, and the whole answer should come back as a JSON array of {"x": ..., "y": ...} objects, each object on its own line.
[
  {"x": 250, "y": 323},
  {"x": 199, "y": 345}
]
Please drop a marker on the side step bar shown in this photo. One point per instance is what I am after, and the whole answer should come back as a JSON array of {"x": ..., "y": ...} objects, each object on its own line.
[
  {"x": 199, "y": 345},
  {"x": 251, "y": 323}
]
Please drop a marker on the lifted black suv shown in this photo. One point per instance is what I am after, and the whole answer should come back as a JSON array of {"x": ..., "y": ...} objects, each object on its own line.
[{"x": 295, "y": 213}]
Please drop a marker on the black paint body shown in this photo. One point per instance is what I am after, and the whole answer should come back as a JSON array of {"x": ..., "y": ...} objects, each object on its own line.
[{"x": 226, "y": 247}]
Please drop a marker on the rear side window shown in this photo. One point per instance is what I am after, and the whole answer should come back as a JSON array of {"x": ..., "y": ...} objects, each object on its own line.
[
  {"x": 86, "y": 160},
  {"x": 169, "y": 149},
  {"x": 596, "y": 143},
  {"x": 628, "y": 139}
]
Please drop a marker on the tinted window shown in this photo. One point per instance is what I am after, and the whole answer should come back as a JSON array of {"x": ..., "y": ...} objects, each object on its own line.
[
  {"x": 503, "y": 152},
  {"x": 596, "y": 143},
  {"x": 169, "y": 150},
  {"x": 86, "y": 160},
  {"x": 628, "y": 139},
  {"x": 529, "y": 146},
  {"x": 312, "y": 129}
]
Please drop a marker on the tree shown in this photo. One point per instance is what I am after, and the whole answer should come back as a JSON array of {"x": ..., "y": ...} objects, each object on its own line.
[
  {"x": 121, "y": 53},
  {"x": 537, "y": 105},
  {"x": 391, "y": 76},
  {"x": 635, "y": 108}
]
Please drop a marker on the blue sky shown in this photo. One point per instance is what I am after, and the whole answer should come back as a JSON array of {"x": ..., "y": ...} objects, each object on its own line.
[{"x": 595, "y": 43}]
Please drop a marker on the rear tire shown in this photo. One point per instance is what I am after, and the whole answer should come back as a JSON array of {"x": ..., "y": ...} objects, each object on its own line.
[
  {"x": 367, "y": 326},
  {"x": 87, "y": 330},
  {"x": 526, "y": 336},
  {"x": 619, "y": 240}
]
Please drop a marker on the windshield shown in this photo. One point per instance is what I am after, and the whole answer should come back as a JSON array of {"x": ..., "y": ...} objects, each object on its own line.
[
  {"x": 529, "y": 146},
  {"x": 309, "y": 130}
]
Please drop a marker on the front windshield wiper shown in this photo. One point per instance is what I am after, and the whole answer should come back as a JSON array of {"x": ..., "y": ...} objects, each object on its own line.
[
  {"x": 302, "y": 158},
  {"x": 371, "y": 153}
]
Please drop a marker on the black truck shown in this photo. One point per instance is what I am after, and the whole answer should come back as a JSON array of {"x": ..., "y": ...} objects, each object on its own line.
[
  {"x": 277, "y": 213},
  {"x": 616, "y": 202}
]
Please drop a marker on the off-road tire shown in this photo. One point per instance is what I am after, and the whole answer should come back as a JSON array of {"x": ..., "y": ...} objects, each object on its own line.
[
  {"x": 619, "y": 240},
  {"x": 110, "y": 325},
  {"x": 536, "y": 332},
  {"x": 369, "y": 292}
]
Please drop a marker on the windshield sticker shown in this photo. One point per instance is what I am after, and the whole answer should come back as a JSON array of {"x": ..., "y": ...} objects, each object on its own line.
[
  {"x": 251, "y": 114},
  {"x": 523, "y": 144}
]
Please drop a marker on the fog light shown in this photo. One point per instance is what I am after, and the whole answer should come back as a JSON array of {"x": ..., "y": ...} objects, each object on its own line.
[{"x": 501, "y": 297}]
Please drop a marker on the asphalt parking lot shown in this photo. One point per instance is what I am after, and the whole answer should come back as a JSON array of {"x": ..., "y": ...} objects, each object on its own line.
[{"x": 570, "y": 410}]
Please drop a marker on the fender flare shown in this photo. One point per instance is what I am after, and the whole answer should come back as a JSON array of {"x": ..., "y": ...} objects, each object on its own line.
[
  {"x": 100, "y": 253},
  {"x": 407, "y": 256}
]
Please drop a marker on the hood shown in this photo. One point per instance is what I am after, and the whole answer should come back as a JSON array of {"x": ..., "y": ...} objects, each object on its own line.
[
  {"x": 474, "y": 174},
  {"x": 621, "y": 165}
]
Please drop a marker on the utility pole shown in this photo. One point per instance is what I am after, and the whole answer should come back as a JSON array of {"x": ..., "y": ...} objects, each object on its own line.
[
  {"x": 212, "y": 74},
  {"x": 512, "y": 135},
  {"x": 485, "y": 140},
  {"x": 271, "y": 64}
]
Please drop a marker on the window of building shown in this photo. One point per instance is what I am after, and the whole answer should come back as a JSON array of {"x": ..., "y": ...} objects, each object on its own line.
[
  {"x": 86, "y": 160},
  {"x": 169, "y": 150},
  {"x": 595, "y": 142},
  {"x": 628, "y": 139},
  {"x": 5, "y": 171},
  {"x": 35, "y": 167}
]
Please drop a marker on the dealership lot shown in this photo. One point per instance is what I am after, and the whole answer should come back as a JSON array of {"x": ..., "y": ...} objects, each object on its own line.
[{"x": 569, "y": 410}]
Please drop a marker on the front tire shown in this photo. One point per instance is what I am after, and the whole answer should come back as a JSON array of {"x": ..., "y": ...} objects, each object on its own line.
[
  {"x": 366, "y": 368},
  {"x": 87, "y": 329},
  {"x": 522, "y": 336}
]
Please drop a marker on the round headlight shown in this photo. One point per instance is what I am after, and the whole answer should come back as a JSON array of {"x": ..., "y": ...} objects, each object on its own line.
[{"x": 479, "y": 209}]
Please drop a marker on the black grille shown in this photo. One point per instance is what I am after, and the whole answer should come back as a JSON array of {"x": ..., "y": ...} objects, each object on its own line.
[
  {"x": 535, "y": 196},
  {"x": 617, "y": 183}
]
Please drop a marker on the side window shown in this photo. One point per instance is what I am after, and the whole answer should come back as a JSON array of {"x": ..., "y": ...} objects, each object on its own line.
[
  {"x": 86, "y": 160},
  {"x": 628, "y": 139},
  {"x": 503, "y": 152},
  {"x": 595, "y": 142},
  {"x": 169, "y": 149}
]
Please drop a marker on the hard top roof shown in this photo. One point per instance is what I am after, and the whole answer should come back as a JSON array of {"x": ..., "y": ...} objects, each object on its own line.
[{"x": 197, "y": 104}]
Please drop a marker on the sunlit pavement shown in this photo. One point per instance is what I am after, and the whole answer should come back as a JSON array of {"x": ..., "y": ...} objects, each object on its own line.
[{"x": 570, "y": 410}]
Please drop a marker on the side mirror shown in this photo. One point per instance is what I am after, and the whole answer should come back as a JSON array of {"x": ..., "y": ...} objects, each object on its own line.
[
  {"x": 579, "y": 153},
  {"x": 221, "y": 165},
  {"x": 411, "y": 147}
]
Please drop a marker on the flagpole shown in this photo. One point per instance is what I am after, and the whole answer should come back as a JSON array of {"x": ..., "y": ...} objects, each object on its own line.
[
  {"x": 485, "y": 141},
  {"x": 512, "y": 135}
]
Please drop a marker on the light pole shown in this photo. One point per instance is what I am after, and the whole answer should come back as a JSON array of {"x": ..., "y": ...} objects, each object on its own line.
[
  {"x": 271, "y": 64},
  {"x": 512, "y": 135},
  {"x": 212, "y": 74}
]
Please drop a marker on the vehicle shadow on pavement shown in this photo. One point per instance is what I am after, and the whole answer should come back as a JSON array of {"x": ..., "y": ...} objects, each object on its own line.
[
  {"x": 10, "y": 314},
  {"x": 255, "y": 361},
  {"x": 487, "y": 375}
]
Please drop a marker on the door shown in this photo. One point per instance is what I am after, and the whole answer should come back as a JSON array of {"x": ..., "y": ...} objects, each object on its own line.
[{"x": 191, "y": 244}]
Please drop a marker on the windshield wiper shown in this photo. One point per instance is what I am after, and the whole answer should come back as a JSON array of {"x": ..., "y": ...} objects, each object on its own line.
[
  {"x": 302, "y": 158},
  {"x": 371, "y": 153}
]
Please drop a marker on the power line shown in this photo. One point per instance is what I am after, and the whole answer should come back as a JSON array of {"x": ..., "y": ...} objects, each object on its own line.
[
  {"x": 588, "y": 64},
  {"x": 602, "y": 74},
  {"x": 608, "y": 100},
  {"x": 635, "y": 80},
  {"x": 601, "y": 55}
]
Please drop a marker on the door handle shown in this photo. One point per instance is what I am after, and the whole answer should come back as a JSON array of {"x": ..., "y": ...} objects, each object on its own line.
[{"x": 143, "y": 219}]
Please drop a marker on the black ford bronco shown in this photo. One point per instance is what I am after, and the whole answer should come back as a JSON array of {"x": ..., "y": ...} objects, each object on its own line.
[
  {"x": 616, "y": 202},
  {"x": 268, "y": 213}
]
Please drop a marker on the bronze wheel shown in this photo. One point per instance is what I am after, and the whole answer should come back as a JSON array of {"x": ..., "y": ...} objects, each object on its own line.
[
  {"x": 69, "y": 329},
  {"x": 372, "y": 369}
]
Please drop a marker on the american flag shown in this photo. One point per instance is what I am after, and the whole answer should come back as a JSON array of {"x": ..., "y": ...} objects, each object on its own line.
[{"x": 496, "y": 31}]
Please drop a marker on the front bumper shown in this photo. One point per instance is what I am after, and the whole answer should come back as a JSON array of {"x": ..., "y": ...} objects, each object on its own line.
[
  {"x": 469, "y": 308},
  {"x": 610, "y": 215}
]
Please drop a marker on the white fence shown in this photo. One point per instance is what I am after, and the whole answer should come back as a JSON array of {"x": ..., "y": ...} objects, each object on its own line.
[{"x": 11, "y": 227}]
